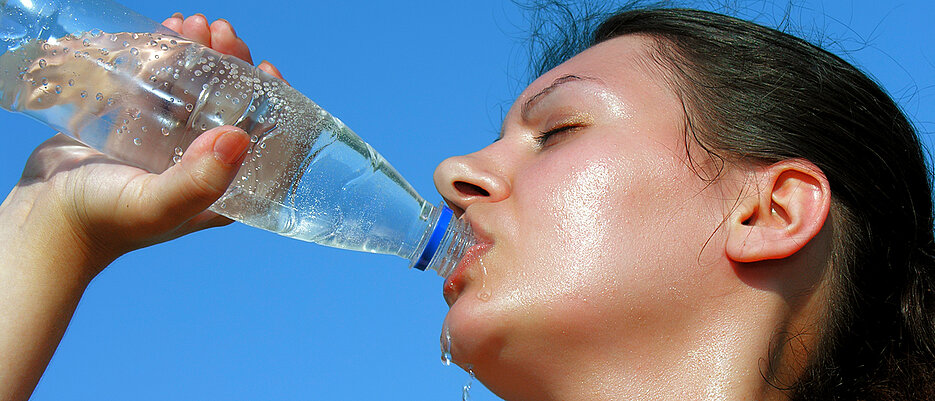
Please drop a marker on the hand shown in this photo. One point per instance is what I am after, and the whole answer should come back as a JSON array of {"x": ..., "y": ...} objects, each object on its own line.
[
  {"x": 75, "y": 210},
  {"x": 219, "y": 36}
]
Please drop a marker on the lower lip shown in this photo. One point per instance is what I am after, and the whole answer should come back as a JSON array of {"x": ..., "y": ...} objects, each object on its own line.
[{"x": 455, "y": 282}]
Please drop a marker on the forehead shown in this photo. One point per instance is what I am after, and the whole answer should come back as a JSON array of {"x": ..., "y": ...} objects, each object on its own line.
[{"x": 623, "y": 65}]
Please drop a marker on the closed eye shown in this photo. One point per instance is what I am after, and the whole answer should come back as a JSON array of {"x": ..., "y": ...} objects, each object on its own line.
[{"x": 543, "y": 138}]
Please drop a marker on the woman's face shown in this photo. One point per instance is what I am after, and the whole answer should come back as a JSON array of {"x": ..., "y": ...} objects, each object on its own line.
[{"x": 598, "y": 239}]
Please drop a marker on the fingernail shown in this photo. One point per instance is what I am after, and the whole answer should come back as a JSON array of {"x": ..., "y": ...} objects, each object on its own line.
[
  {"x": 229, "y": 26},
  {"x": 231, "y": 146},
  {"x": 178, "y": 15}
]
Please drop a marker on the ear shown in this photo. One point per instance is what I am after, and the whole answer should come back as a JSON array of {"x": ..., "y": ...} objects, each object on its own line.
[{"x": 785, "y": 209}]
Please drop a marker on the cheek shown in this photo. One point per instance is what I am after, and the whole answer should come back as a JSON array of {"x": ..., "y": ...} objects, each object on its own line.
[{"x": 608, "y": 231}]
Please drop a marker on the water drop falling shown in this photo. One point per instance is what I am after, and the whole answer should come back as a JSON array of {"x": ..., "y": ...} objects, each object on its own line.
[
  {"x": 446, "y": 345},
  {"x": 466, "y": 391}
]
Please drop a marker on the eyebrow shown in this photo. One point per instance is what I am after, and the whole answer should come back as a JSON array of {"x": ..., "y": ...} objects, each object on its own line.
[{"x": 534, "y": 99}]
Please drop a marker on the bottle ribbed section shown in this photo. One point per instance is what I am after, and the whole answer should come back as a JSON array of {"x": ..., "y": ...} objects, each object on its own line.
[{"x": 457, "y": 240}]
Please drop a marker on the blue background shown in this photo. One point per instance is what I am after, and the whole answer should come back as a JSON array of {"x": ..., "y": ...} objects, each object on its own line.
[{"x": 241, "y": 314}]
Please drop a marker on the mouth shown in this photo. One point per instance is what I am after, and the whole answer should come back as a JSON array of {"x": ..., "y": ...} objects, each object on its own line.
[{"x": 459, "y": 277}]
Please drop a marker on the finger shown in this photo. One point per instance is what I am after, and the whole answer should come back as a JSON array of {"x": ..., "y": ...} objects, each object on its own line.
[
  {"x": 271, "y": 70},
  {"x": 174, "y": 22},
  {"x": 196, "y": 28},
  {"x": 224, "y": 40},
  {"x": 186, "y": 189},
  {"x": 204, "y": 220}
]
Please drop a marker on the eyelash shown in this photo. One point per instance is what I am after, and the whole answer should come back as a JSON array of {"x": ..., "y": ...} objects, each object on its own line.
[{"x": 543, "y": 138}]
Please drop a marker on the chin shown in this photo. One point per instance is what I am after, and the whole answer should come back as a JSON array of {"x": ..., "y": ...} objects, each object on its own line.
[{"x": 484, "y": 341}]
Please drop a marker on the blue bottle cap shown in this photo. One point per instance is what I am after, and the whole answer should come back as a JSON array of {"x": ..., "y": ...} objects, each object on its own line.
[{"x": 435, "y": 239}]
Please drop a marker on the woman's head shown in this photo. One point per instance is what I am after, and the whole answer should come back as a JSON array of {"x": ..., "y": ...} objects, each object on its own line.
[{"x": 695, "y": 190}]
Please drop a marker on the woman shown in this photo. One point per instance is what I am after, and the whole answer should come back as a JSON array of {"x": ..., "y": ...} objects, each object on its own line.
[
  {"x": 688, "y": 209},
  {"x": 697, "y": 207}
]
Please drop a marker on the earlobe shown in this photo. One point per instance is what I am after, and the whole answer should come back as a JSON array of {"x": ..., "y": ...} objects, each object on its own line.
[{"x": 786, "y": 209}]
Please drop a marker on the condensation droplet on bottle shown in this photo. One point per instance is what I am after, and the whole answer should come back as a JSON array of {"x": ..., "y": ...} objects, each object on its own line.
[
  {"x": 178, "y": 151},
  {"x": 176, "y": 159},
  {"x": 104, "y": 51},
  {"x": 71, "y": 82},
  {"x": 58, "y": 89},
  {"x": 189, "y": 107},
  {"x": 110, "y": 101},
  {"x": 164, "y": 47},
  {"x": 99, "y": 96},
  {"x": 197, "y": 73},
  {"x": 84, "y": 94},
  {"x": 165, "y": 131},
  {"x": 86, "y": 42},
  {"x": 44, "y": 81},
  {"x": 42, "y": 63},
  {"x": 134, "y": 51},
  {"x": 254, "y": 139},
  {"x": 126, "y": 44},
  {"x": 138, "y": 142}
]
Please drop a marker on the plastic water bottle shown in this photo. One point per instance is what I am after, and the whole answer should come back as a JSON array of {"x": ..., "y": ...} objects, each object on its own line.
[{"x": 127, "y": 86}]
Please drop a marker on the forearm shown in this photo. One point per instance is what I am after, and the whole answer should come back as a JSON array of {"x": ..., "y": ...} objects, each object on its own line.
[{"x": 43, "y": 273}]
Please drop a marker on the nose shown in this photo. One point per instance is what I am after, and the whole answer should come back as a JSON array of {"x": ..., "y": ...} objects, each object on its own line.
[{"x": 468, "y": 179}]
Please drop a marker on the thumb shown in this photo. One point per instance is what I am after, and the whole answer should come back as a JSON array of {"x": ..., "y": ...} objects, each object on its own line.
[{"x": 200, "y": 178}]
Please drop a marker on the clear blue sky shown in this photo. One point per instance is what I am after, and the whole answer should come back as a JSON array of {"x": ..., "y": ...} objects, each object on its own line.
[{"x": 241, "y": 314}]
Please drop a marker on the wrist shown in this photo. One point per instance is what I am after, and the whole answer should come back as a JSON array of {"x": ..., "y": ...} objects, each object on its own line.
[{"x": 38, "y": 237}]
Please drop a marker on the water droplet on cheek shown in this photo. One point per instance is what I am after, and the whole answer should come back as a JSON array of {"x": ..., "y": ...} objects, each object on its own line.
[{"x": 484, "y": 293}]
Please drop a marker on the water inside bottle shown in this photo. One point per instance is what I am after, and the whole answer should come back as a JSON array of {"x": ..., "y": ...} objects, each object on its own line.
[{"x": 144, "y": 97}]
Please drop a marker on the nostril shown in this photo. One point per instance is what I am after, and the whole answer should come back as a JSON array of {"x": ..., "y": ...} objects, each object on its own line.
[{"x": 469, "y": 189}]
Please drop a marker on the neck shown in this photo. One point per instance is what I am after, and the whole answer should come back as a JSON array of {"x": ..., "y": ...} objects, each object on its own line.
[{"x": 725, "y": 353}]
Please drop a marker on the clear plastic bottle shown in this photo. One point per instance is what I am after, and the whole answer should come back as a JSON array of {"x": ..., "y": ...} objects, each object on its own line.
[{"x": 130, "y": 88}]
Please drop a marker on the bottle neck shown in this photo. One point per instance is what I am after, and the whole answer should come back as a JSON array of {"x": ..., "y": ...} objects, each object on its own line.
[{"x": 444, "y": 243}]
